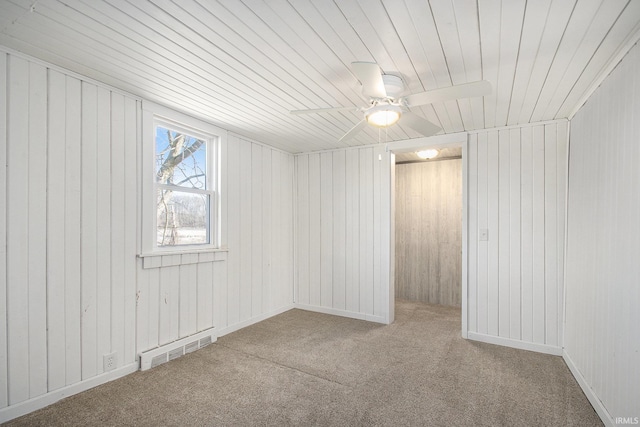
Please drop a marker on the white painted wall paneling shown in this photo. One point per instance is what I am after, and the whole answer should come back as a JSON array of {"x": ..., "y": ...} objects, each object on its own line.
[
  {"x": 602, "y": 346},
  {"x": 517, "y": 193},
  {"x": 228, "y": 289},
  {"x": 342, "y": 243},
  {"x": 4, "y": 372},
  {"x": 70, "y": 282},
  {"x": 69, "y": 204}
]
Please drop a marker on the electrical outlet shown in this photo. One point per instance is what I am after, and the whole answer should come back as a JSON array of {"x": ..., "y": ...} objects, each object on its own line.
[{"x": 110, "y": 361}]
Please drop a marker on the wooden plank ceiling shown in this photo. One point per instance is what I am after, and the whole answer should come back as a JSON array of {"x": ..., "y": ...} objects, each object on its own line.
[{"x": 243, "y": 64}]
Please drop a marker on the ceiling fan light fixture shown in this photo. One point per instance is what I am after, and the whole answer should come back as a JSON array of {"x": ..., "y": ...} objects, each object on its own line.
[
  {"x": 427, "y": 154},
  {"x": 384, "y": 115}
]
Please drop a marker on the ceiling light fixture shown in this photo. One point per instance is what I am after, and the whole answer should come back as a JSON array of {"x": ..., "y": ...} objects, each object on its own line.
[
  {"x": 427, "y": 154},
  {"x": 383, "y": 115}
]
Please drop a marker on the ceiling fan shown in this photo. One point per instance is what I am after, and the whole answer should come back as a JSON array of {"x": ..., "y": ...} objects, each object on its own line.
[{"x": 387, "y": 105}]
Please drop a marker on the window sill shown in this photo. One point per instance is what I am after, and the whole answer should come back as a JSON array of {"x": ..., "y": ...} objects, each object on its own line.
[{"x": 184, "y": 257}]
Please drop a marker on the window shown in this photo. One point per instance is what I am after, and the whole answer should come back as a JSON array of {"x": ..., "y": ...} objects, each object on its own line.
[{"x": 181, "y": 207}]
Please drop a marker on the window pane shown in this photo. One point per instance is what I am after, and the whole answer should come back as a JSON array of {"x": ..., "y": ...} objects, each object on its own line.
[
  {"x": 180, "y": 159},
  {"x": 182, "y": 218}
]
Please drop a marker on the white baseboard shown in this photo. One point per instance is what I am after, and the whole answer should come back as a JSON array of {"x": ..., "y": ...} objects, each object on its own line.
[
  {"x": 597, "y": 404},
  {"x": 522, "y": 345},
  {"x": 23, "y": 408},
  {"x": 343, "y": 313},
  {"x": 237, "y": 326}
]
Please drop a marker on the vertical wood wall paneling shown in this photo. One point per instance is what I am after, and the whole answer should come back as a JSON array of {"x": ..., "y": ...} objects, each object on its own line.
[
  {"x": 377, "y": 227},
  {"x": 504, "y": 255},
  {"x": 562, "y": 172},
  {"x": 287, "y": 264},
  {"x": 188, "y": 288},
  {"x": 538, "y": 297},
  {"x": 4, "y": 392},
  {"x": 518, "y": 185},
  {"x": 37, "y": 228},
  {"x": 551, "y": 236},
  {"x": 276, "y": 238},
  {"x": 352, "y": 301},
  {"x": 366, "y": 230},
  {"x": 526, "y": 230},
  {"x": 56, "y": 235},
  {"x": 386, "y": 304},
  {"x": 314, "y": 230},
  {"x": 342, "y": 240},
  {"x": 483, "y": 224},
  {"x": 206, "y": 287},
  {"x": 72, "y": 231},
  {"x": 89, "y": 243},
  {"x": 515, "y": 246},
  {"x": 103, "y": 233},
  {"x": 244, "y": 248},
  {"x": 69, "y": 216},
  {"x": 603, "y": 244},
  {"x": 339, "y": 229},
  {"x": 220, "y": 293},
  {"x": 267, "y": 291},
  {"x": 17, "y": 228},
  {"x": 302, "y": 246},
  {"x": 428, "y": 231},
  {"x": 326, "y": 229},
  {"x": 281, "y": 177},
  {"x": 256, "y": 230},
  {"x": 233, "y": 232},
  {"x": 131, "y": 125},
  {"x": 472, "y": 235},
  {"x": 493, "y": 209},
  {"x": 118, "y": 218}
]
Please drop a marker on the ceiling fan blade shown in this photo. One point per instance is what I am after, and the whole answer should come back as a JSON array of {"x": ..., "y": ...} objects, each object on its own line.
[
  {"x": 324, "y": 110},
  {"x": 466, "y": 90},
  {"x": 354, "y": 130},
  {"x": 371, "y": 78},
  {"x": 419, "y": 124}
]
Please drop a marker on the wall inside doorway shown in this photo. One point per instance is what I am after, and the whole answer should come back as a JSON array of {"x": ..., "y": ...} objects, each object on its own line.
[{"x": 429, "y": 231}]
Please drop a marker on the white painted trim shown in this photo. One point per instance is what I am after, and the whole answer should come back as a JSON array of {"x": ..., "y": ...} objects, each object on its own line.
[
  {"x": 342, "y": 313},
  {"x": 597, "y": 404},
  {"x": 23, "y": 408},
  {"x": 524, "y": 125},
  {"x": 294, "y": 188},
  {"x": 152, "y": 115},
  {"x": 465, "y": 238},
  {"x": 566, "y": 239},
  {"x": 253, "y": 320},
  {"x": 441, "y": 141},
  {"x": 460, "y": 139},
  {"x": 522, "y": 345},
  {"x": 391, "y": 292}
]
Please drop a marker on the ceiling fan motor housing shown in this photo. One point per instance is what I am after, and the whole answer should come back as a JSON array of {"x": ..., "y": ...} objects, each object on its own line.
[{"x": 393, "y": 85}]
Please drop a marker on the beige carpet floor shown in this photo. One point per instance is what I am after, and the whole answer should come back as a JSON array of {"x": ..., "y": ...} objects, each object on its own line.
[{"x": 303, "y": 368}]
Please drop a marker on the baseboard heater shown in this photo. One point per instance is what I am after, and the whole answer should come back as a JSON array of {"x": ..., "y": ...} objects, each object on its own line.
[{"x": 157, "y": 356}]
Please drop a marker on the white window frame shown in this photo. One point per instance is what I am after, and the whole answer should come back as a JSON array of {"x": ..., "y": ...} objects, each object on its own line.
[{"x": 154, "y": 115}]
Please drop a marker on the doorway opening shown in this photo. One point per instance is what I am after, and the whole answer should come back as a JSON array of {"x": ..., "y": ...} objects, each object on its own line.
[{"x": 429, "y": 222}]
